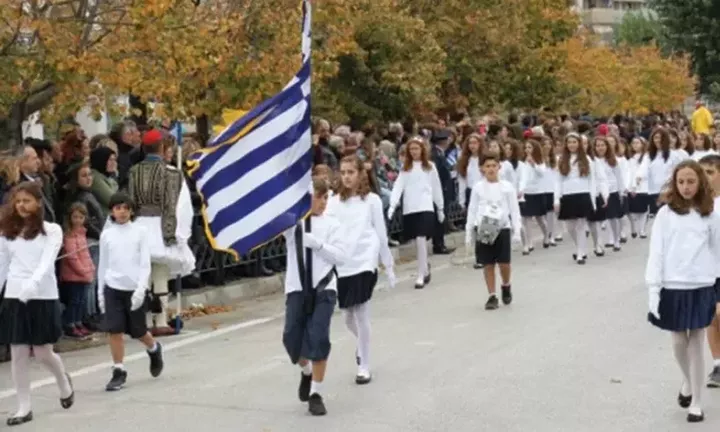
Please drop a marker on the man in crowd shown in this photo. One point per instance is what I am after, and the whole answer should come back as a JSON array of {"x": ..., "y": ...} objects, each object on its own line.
[
  {"x": 30, "y": 171},
  {"x": 127, "y": 137},
  {"x": 440, "y": 143}
]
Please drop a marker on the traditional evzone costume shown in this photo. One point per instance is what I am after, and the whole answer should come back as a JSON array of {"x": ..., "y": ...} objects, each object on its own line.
[
  {"x": 363, "y": 222},
  {"x": 164, "y": 208}
]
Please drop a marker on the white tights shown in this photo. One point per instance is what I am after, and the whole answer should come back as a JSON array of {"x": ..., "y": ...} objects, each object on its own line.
[
  {"x": 576, "y": 229},
  {"x": 20, "y": 364},
  {"x": 422, "y": 256},
  {"x": 638, "y": 222},
  {"x": 689, "y": 351},
  {"x": 357, "y": 320}
]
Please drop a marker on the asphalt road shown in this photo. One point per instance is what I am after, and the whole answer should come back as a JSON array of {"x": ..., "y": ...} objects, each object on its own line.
[{"x": 573, "y": 353}]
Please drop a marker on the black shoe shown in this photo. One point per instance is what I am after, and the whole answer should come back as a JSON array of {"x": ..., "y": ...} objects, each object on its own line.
[
  {"x": 608, "y": 245},
  {"x": 633, "y": 235},
  {"x": 156, "y": 361},
  {"x": 532, "y": 248},
  {"x": 443, "y": 251},
  {"x": 695, "y": 418},
  {"x": 714, "y": 378},
  {"x": 362, "y": 380},
  {"x": 546, "y": 245},
  {"x": 581, "y": 261},
  {"x": 492, "y": 303},
  {"x": 428, "y": 277},
  {"x": 506, "y": 295},
  {"x": 316, "y": 406},
  {"x": 119, "y": 377},
  {"x": 17, "y": 421},
  {"x": 70, "y": 400},
  {"x": 623, "y": 239},
  {"x": 599, "y": 254},
  {"x": 684, "y": 401},
  {"x": 478, "y": 266},
  {"x": 643, "y": 236},
  {"x": 617, "y": 248},
  {"x": 304, "y": 388}
]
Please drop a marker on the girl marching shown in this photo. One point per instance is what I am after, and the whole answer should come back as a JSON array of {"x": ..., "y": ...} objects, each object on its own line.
[
  {"x": 30, "y": 316},
  {"x": 681, "y": 273},
  {"x": 535, "y": 205},
  {"x": 419, "y": 187},
  {"x": 360, "y": 213},
  {"x": 608, "y": 164}
]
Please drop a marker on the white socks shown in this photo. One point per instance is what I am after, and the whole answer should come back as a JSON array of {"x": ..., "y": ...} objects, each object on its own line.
[
  {"x": 716, "y": 363},
  {"x": 119, "y": 366},
  {"x": 550, "y": 218},
  {"x": 615, "y": 229},
  {"x": 315, "y": 387},
  {"x": 19, "y": 366},
  {"x": 357, "y": 320},
  {"x": 307, "y": 369}
]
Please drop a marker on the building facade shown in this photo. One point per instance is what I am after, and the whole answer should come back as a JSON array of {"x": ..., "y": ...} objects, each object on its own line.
[{"x": 602, "y": 16}]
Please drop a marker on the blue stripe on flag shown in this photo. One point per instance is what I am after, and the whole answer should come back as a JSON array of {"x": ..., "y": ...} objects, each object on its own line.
[
  {"x": 280, "y": 103},
  {"x": 282, "y": 222},
  {"x": 261, "y": 195},
  {"x": 238, "y": 169}
]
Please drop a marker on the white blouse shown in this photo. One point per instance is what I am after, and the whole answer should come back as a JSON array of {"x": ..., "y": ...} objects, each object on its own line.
[
  {"x": 614, "y": 175},
  {"x": 537, "y": 178},
  {"x": 419, "y": 190},
  {"x": 637, "y": 180},
  {"x": 682, "y": 251},
  {"x": 364, "y": 230},
  {"x": 574, "y": 183},
  {"x": 474, "y": 175},
  {"x": 24, "y": 262},
  {"x": 124, "y": 262}
]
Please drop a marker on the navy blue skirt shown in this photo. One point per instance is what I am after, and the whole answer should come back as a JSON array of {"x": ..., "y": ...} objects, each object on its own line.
[
  {"x": 682, "y": 310},
  {"x": 549, "y": 202},
  {"x": 535, "y": 205},
  {"x": 612, "y": 211},
  {"x": 653, "y": 204},
  {"x": 420, "y": 224},
  {"x": 37, "y": 322},
  {"x": 356, "y": 289},
  {"x": 638, "y": 203}
]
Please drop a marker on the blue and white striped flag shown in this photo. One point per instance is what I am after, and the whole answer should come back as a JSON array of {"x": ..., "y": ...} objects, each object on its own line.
[{"x": 255, "y": 176}]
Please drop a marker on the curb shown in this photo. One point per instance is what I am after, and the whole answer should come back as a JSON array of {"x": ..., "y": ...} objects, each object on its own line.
[{"x": 249, "y": 289}]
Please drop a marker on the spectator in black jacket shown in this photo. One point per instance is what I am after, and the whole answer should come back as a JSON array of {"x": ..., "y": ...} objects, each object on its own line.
[
  {"x": 440, "y": 141},
  {"x": 127, "y": 137}
]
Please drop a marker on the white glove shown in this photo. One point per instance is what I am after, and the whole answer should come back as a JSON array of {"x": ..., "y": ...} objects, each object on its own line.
[
  {"x": 392, "y": 279},
  {"x": 311, "y": 241},
  {"x": 28, "y": 290},
  {"x": 101, "y": 302},
  {"x": 138, "y": 298},
  {"x": 654, "y": 304},
  {"x": 441, "y": 216},
  {"x": 390, "y": 213}
]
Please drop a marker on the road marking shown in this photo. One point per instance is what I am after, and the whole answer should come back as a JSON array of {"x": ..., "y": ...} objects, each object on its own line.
[
  {"x": 172, "y": 346},
  {"x": 183, "y": 342}
]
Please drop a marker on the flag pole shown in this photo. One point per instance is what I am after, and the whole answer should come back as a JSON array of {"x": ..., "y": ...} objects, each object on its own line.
[{"x": 178, "y": 278}]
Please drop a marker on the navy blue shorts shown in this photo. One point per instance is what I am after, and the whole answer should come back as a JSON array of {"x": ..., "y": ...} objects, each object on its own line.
[{"x": 304, "y": 336}]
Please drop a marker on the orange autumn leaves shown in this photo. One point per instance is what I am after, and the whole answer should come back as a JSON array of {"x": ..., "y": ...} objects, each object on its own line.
[{"x": 605, "y": 80}]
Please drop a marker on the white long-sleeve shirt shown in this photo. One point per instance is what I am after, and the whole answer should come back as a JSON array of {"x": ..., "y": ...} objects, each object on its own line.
[
  {"x": 660, "y": 170},
  {"x": 573, "y": 183},
  {"x": 614, "y": 175},
  {"x": 515, "y": 176},
  {"x": 682, "y": 251},
  {"x": 419, "y": 190},
  {"x": 333, "y": 251},
  {"x": 699, "y": 154},
  {"x": 363, "y": 228},
  {"x": 638, "y": 170},
  {"x": 124, "y": 262},
  {"x": 24, "y": 260},
  {"x": 601, "y": 179},
  {"x": 625, "y": 170},
  {"x": 537, "y": 178},
  {"x": 474, "y": 175},
  {"x": 500, "y": 193}
]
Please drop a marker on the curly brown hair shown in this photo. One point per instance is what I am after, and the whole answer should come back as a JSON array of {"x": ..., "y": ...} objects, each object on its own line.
[
  {"x": 465, "y": 155},
  {"x": 12, "y": 224},
  {"x": 536, "y": 154},
  {"x": 582, "y": 158},
  {"x": 703, "y": 199},
  {"x": 363, "y": 188},
  {"x": 424, "y": 158}
]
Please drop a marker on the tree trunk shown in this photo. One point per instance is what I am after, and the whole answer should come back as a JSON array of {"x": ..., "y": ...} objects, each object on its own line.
[{"x": 11, "y": 126}]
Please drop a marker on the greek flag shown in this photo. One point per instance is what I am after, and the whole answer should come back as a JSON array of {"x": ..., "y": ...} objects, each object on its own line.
[{"x": 254, "y": 177}]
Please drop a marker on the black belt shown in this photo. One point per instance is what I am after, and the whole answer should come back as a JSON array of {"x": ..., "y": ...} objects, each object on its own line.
[{"x": 305, "y": 271}]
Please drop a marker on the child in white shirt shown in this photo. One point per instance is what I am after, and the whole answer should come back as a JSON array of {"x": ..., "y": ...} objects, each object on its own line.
[
  {"x": 123, "y": 278},
  {"x": 493, "y": 199}
]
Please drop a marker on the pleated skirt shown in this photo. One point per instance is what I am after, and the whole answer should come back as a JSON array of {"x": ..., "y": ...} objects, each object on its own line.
[
  {"x": 37, "y": 322},
  {"x": 575, "y": 206},
  {"x": 682, "y": 310},
  {"x": 535, "y": 205},
  {"x": 612, "y": 211},
  {"x": 638, "y": 203},
  {"x": 420, "y": 224},
  {"x": 356, "y": 289}
]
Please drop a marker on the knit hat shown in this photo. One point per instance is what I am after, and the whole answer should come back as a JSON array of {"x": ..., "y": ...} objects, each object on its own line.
[
  {"x": 152, "y": 137},
  {"x": 602, "y": 130}
]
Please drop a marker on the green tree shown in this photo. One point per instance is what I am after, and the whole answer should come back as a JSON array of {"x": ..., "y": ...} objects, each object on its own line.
[
  {"x": 639, "y": 28},
  {"x": 692, "y": 26}
]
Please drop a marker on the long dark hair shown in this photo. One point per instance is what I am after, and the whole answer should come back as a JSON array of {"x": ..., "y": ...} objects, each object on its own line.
[
  {"x": 664, "y": 144},
  {"x": 12, "y": 224}
]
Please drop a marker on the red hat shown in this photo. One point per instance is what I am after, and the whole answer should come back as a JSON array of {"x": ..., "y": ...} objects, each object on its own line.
[
  {"x": 602, "y": 129},
  {"x": 528, "y": 134},
  {"x": 152, "y": 137}
]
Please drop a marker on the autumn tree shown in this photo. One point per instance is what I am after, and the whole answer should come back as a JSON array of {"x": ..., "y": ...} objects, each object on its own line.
[
  {"x": 56, "y": 54},
  {"x": 639, "y": 29}
]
